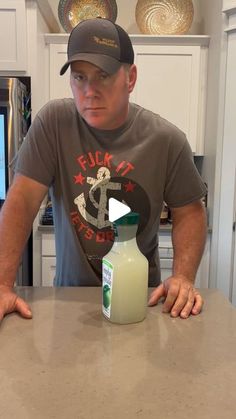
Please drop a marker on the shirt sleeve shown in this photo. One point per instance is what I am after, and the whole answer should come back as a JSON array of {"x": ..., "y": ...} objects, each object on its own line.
[
  {"x": 37, "y": 156},
  {"x": 183, "y": 182}
]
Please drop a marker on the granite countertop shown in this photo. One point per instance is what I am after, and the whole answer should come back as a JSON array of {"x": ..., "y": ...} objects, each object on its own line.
[{"x": 70, "y": 362}]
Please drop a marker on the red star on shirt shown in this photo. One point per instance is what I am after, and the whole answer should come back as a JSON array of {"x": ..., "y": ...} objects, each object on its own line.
[
  {"x": 79, "y": 179},
  {"x": 129, "y": 187}
]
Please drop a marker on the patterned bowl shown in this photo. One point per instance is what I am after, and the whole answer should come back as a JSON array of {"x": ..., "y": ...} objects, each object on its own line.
[
  {"x": 164, "y": 17},
  {"x": 71, "y": 12}
]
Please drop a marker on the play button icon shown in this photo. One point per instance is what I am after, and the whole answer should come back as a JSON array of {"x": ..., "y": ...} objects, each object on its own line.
[{"x": 117, "y": 209}]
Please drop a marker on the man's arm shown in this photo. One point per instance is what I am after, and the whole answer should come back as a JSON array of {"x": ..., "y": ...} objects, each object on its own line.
[
  {"x": 16, "y": 218},
  {"x": 188, "y": 238}
]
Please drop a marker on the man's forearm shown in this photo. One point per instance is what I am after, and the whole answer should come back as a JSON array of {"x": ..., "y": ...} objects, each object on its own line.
[
  {"x": 188, "y": 237},
  {"x": 16, "y": 219}
]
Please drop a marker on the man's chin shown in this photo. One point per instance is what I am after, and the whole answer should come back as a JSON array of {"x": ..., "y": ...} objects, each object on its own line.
[{"x": 97, "y": 124}]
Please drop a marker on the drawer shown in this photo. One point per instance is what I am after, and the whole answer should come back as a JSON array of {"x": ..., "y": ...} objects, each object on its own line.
[
  {"x": 166, "y": 252},
  {"x": 48, "y": 244},
  {"x": 48, "y": 270},
  {"x": 166, "y": 268}
]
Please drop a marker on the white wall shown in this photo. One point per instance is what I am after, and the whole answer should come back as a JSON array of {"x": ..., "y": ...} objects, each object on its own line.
[
  {"x": 213, "y": 25},
  {"x": 226, "y": 236},
  {"x": 220, "y": 151},
  {"x": 228, "y": 3}
]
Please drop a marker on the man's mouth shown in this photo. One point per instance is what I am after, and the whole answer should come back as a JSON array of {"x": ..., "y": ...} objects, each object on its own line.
[{"x": 94, "y": 108}]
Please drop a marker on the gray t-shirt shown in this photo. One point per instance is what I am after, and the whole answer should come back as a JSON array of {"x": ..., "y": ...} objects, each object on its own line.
[{"x": 145, "y": 161}]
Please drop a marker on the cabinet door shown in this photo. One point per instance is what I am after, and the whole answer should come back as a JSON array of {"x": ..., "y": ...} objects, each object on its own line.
[
  {"x": 165, "y": 254},
  {"x": 48, "y": 270},
  {"x": 166, "y": 268},
  {"x": 59, "y": 86},
  {"x": 48, "y": 244},
  {"x": 13, "y": 35},
  {"x": 168, "y": 84}
]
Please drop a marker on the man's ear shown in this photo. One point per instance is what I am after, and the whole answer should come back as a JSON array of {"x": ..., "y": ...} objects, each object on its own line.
[{"x": 132, "y": 77}]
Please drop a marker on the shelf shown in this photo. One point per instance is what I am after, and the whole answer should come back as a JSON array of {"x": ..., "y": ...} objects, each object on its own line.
[
  {"x": 229, "y": 11},
  {"x": 202, "y": 40},
  {"x": 230, "y": 29}
]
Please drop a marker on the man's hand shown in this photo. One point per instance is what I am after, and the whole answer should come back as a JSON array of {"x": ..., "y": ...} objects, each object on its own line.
[
  {"x": 181, "y": 298},
  {"x": 10, "y": 302}
]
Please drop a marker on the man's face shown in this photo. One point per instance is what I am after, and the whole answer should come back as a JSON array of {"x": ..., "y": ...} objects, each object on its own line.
[{"x": 102, "y": 99}]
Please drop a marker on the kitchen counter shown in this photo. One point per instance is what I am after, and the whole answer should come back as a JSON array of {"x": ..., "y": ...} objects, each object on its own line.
[{"x": 70, "y": 362}]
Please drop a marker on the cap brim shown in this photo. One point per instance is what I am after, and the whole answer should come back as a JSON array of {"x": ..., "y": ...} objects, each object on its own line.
[{"x": 108, "y": 64}]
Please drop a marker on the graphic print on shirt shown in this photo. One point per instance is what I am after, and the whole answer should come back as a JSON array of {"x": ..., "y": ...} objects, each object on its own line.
[
  {"x": 102, "y": 183},
  {"x": 101, "y": 177}
]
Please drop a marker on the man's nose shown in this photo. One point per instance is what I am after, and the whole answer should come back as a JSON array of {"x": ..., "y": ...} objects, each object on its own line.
[{"x": 90, "y": 86}]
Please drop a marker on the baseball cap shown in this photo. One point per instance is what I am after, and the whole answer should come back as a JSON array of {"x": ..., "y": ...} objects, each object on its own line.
[{"x": 100, "y": 42}]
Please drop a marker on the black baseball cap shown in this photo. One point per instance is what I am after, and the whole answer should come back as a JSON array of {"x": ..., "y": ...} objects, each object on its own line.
[{"x": 100, "y": 42}]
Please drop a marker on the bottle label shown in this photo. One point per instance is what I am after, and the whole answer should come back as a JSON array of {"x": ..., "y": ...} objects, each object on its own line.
[{"x": 107, "y": 280}]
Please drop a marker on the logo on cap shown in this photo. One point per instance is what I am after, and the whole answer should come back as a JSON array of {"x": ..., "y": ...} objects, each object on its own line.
[{"x": 104, "y": 41}]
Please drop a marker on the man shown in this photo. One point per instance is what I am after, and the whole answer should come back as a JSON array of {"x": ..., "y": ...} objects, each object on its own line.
[{"x": 95, "y": 147}]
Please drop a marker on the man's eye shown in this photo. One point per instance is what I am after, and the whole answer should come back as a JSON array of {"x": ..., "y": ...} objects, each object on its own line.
[
  {"x": 104, "y": 76},
  {"x": 78, "y": 77}
]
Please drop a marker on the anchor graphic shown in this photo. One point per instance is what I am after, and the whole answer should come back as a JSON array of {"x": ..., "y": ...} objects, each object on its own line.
[{"x": 103, "y": 183}]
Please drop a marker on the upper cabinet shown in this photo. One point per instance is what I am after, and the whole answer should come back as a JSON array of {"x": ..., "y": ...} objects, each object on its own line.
[
  {"x": 13, "y": 41},
  {"x": 172, "y": 78},
  {"x": 172, "y": 82},
  {"x": 59, "y": 86}
]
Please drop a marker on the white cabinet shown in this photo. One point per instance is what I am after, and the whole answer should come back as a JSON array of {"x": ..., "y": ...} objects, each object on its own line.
[
  {"x": 13, "y": 41},
  {"x": 172, "y": 74},
  {"x": 48, "y": 270},
  {"x": 48, "y": 259},
  {"x": 169, "y": 84},
  {"x": 202, "y": 279},
  {"x": 165, "y": 253},
  {"x": 59, "y": 86}
]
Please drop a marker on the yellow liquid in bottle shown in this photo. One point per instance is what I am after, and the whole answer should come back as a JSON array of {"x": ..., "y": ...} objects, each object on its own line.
[{"x": 125, "y": 279}]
